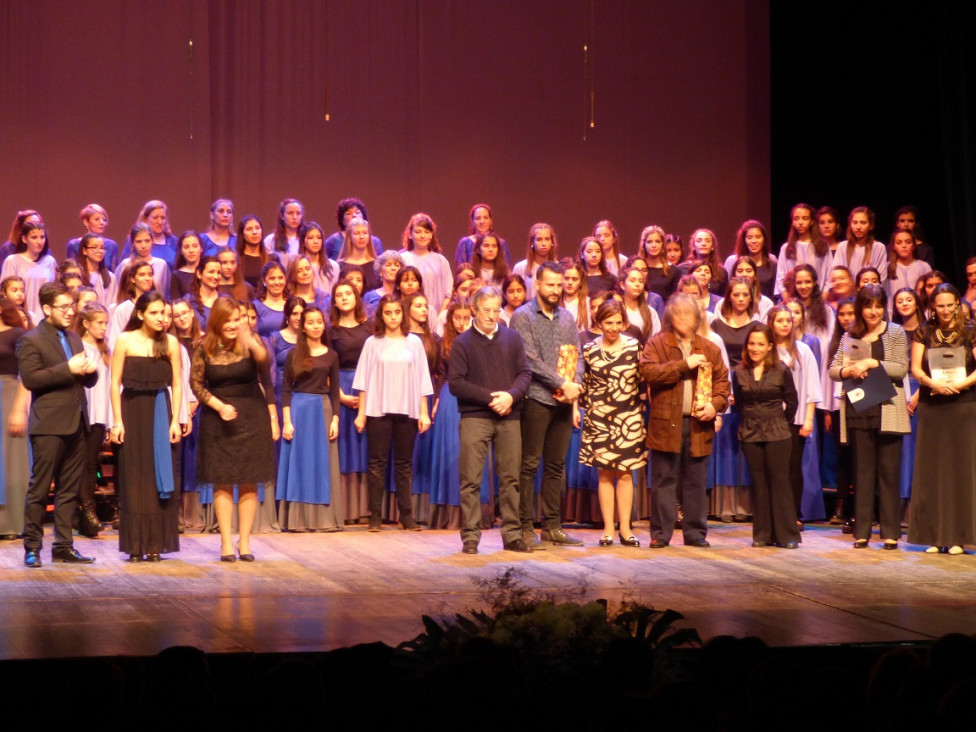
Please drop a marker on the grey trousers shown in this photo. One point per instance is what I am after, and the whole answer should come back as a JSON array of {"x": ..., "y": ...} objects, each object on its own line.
[{"x": 477, "y": 433}]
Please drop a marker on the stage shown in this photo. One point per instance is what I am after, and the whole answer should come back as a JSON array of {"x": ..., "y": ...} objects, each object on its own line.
[{"x": 316, "y": 592}]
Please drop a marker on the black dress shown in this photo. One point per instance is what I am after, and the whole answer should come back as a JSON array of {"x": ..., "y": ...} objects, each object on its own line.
[
  {"x": 240, "y": 451},
  {"x": 148, "y": 523},
  {"x": 943, "y": 510}
]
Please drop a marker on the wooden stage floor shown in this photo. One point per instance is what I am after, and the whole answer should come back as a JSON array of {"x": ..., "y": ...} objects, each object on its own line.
[{"x": 313, "y": 592}]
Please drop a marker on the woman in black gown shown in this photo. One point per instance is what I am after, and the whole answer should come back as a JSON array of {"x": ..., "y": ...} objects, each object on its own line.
[
  {"x": 943, "y": 510},
  {"x": 146, "y": 361}
]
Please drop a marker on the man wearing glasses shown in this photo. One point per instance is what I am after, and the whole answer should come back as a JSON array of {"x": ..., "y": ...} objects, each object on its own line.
[
  {"x": 489, "y": 375},
  {"x": 53, "y": 366}
]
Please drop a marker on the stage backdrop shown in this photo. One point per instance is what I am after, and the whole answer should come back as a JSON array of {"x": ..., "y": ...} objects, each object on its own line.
[{"x": 412, "y": 106}]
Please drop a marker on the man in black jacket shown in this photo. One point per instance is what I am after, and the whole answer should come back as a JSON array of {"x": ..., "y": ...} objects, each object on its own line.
[{"x": 53, "y": 366}]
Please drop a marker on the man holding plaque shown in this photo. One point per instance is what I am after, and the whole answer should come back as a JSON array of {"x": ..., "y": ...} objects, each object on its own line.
[
  {"x": 689, "y": 386},
  {"x": 551, "y": 342}
]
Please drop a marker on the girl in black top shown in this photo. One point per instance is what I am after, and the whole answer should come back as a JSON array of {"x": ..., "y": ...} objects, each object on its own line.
[
  {"x": 308, "y": 470},
  {"x": 347, "y": 335}
]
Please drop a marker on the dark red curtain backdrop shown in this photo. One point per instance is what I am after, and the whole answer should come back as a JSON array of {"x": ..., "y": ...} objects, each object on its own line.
[{"x": 432, "y": 106}]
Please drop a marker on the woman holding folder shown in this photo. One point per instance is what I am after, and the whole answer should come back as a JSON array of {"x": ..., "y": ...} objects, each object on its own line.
[
  {"x": 943, "y": 513},
  {"x": 872, "y": 361}
]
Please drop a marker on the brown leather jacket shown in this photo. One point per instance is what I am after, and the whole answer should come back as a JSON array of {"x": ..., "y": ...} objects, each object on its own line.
[{"x": 665, "y": 370}]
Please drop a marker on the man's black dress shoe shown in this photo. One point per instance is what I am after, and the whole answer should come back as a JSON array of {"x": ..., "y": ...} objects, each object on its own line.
[
  {"x": 70, "y": 556},
  {"x": 658, "y": 543},
  {"x": 470, "y": 547},
  {"x": 32, "y": 559},
  {"x": 700, "y": 543},
  {"x": 560, "y": 537},
  {"x": 517, "y": 545}
]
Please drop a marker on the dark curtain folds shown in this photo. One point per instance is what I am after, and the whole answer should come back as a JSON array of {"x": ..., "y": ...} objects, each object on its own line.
[
  {"x": 433, "y": 106},
  {"x": 872, "y": 104},
  {"x": 956, "y": 61}
]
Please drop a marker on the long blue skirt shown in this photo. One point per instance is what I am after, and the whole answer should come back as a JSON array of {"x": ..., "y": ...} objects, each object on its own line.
[
  {"x": 423, "y": 457},
  {"x": 445, "y": 477},
  {"x": 828, "y": 456},
  {"x": 188, "y": 457},
  {"x": 727, "y": 465},
  {"x": 353, "y": 447},
  {"x": 579, "y": 476},
  {"x": 811, "y": 500},
  {"x": 908, "y": 450},
  {"x": 309, "y": 461}
]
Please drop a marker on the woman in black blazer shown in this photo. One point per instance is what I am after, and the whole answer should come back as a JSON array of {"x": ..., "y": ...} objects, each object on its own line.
[{"x": 766, "y": 400}]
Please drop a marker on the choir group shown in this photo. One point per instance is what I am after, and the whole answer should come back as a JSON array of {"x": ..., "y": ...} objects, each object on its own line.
[{"x": 296, "y": 379}]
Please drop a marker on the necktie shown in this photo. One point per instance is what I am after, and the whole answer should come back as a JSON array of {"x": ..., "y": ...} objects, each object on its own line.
[{"x": 64, "y": 344}]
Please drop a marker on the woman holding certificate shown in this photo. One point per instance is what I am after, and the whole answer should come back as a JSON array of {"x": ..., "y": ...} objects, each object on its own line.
[
  {"x": 872, "y": 361},
  {"x": 943, "y": 512}
]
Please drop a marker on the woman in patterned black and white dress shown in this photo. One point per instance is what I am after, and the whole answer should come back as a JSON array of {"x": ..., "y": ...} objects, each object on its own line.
[{"x": 613, "y": 437}]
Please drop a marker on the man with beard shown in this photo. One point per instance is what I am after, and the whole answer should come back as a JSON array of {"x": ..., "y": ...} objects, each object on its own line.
[
  {"x": 689, "y": 385},
  {"x": 53, "y": 366},
  {"x": 549, "y": 334}
]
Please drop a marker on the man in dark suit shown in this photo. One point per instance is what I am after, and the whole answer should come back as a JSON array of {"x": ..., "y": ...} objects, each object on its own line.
[{"x": 53, "y": 366}]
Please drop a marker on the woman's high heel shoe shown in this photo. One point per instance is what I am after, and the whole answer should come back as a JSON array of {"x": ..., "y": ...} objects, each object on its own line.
[
  {"x": 606, "y": 540},
  {"x": 245, "y": 557},
  {"x": 629, "y": 541}
]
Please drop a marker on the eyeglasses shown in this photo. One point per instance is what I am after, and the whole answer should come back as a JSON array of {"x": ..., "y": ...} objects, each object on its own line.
[{"x": 64, "y": 308}]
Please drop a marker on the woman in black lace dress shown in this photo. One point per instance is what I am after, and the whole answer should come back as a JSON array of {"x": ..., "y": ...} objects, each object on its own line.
[{"x": 238, "y": 422}]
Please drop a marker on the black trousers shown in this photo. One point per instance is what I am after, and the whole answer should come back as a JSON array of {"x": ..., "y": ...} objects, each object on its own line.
[
  {"x": 877, "y": 467},
  {"x": 58, "y": 458},
  {"x": 400, "y": 431},
  {"x": 546, "y": 431},
  {"x": 773, "y": 509},
  {"x": 93, "y": 448}
]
